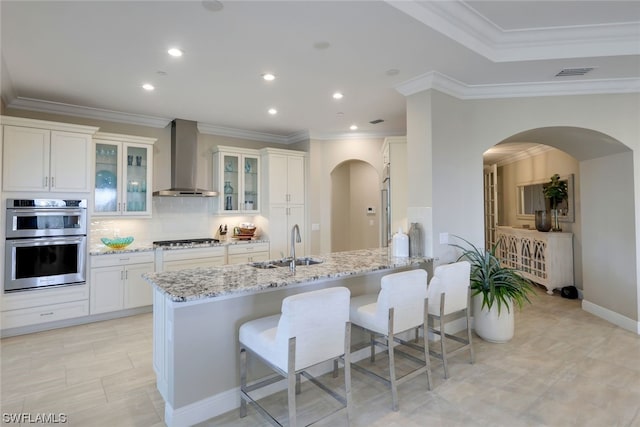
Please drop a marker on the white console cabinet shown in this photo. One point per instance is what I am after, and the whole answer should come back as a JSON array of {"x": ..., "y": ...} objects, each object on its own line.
[{"x": 544, "y": 258}]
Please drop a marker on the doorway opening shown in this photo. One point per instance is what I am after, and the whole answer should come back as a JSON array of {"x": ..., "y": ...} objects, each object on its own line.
[{"x": 355, "y": 206}]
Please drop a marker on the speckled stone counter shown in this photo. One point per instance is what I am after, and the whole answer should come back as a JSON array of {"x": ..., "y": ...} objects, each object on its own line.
[{"x": 189, "y": 285}]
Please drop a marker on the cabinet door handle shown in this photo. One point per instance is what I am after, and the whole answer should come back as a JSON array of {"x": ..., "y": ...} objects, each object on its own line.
[
  {"x": 46, "y": 181},
  {"x": 52, "y": 183},
  {"x": 47, "y": 314},
  {"x": 126, "y": 275}
]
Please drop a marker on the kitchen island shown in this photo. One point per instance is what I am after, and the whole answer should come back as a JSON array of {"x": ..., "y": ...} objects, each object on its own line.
[{"x": 197, "y": 313}]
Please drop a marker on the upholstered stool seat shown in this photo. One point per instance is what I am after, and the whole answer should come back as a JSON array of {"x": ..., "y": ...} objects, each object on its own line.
[
  {"x": 313, "y": 327},
  {"x": 449, "y": 297},
  {"x": 400, "y": 306}
]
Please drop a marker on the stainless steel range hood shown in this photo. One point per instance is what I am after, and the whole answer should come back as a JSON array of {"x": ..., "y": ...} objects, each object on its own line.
[{"x": 184, "y": 162}]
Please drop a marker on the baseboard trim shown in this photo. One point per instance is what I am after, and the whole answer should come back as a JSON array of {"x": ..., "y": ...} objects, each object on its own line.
[{"x": 611, "y": 316}]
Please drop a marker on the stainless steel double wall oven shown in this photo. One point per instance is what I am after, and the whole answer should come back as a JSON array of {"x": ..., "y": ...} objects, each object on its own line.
[{"x": 45, "y": 245}]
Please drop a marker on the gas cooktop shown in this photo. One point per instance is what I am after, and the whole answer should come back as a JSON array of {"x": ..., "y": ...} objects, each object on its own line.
[{"x": 186, "y": 243}]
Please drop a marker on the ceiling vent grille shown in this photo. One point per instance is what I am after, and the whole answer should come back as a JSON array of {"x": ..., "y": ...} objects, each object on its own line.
[
  {"x": 567, "y": 72},
  {"x": 376, "y": 121}
]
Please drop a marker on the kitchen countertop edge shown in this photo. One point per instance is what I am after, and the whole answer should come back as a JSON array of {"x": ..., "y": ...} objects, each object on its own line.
[{"x": 241, "y": 279}]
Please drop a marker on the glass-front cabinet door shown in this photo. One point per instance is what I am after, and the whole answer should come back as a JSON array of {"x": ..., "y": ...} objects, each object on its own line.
[
  {"x": 107, "y": 184},
  {"x": 237, "y": 180},
  {"x": 251, "y": 183},
  {"x": 136, "y": 197},
  {"x": 123, "y": 173},
  {"x": 231, "y": 182}
]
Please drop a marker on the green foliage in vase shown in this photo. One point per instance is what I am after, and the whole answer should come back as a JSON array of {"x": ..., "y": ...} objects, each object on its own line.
[
  {"x": 496, "y": 283},
  {"x": 556, "y": 191}
]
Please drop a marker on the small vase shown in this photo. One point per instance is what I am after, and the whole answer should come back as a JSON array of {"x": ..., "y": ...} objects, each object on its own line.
[
  {"x": 415, "y": 240},
  {"x": 228, "y": 189},
  {"x": 543, "y": 221},
  {"x": 555, "y": 220}
]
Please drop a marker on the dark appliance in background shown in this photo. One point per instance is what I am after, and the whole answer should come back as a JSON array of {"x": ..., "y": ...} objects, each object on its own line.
[{"x": 46, "y": 241}]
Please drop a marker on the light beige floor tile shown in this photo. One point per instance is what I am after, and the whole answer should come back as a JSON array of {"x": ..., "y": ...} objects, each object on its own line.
[
  {"x": 564, "y": 367},
  {"x": 78, "y": 397}
]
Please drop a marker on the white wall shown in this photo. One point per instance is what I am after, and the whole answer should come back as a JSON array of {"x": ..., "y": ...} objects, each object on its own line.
[
  {"x": 324, "y": 156},
  {"x": 460, "y": 131}
]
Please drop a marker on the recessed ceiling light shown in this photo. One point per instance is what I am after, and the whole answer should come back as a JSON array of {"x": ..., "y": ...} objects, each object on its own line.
[
  {"x": 353, "y": 127},
  {"x": 174, "y": 51},
  {"x": 321, "y": 45},
  {"x": 272, "y": 111},
  {"x": 212, "y": 5},
  {"x": 269, "y": 76},
  {"x": 148, "y": 86},
  {"x": 337, "y": 95}
]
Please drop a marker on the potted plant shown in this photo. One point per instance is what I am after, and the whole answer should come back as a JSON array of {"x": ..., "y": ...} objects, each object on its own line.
[
  {"x": 495, "y": 288},
  {"x": 556, "y": 191}
]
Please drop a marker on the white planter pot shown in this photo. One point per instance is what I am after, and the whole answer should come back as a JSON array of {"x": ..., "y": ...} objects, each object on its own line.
[{"x": 489, "y": 325}]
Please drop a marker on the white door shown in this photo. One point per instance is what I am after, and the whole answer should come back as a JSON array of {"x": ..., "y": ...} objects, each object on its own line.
[
  {"x": 490, "y": 205},
  {"x": 278, "y": 221},
  {"x": 107, "y": 289},
  {"x": 278, "y": 181},
  {"x": 137, "y": 291},
  {"x": 295, "y": 179},
  {"x": 26, "y": 159},
  {"x": 70, "y": 161}
]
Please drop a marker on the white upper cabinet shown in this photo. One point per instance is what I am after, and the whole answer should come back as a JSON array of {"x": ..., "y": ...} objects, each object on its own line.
[
  {"x": 285, "y": 178},
  {"x": 123, "y": 175},
  {"x": 237, "y": 179},
  {"x": 41, "y": 156}
]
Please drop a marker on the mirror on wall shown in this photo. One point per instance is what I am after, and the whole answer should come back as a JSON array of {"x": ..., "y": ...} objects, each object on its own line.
[{"x": 531, "y": 198}]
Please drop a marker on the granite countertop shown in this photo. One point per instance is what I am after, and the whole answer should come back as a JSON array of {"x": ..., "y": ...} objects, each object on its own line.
[
  {"x": 202, "y": 283},
  {"x": 101, "y": 249}
]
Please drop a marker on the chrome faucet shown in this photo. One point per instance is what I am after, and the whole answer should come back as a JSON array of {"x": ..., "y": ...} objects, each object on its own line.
[{"x": 295, "y": 238}]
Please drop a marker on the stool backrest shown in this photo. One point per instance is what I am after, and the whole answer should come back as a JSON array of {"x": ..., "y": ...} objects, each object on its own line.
[
  {"x": 317, "y": 320},
  {"x": 453, "y": 280},
  {"x": 405, "y": 292}
]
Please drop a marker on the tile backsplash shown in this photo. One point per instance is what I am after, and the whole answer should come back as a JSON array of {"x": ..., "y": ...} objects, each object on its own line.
[{"x": 172, "y": 218}]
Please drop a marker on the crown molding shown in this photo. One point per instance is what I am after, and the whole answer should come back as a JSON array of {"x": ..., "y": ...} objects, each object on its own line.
[
  {"x": 352, "y": 135},
  {"x": 31, "y": 104},
  {"x": 460, "y": 22},
  {"x": 241, "y": 133},
  {"x": 458, "y": 89},
  {"x": 524, "y": 154}
]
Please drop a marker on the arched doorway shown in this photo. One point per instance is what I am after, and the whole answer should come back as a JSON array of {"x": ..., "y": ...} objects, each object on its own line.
[
  {"x": 355, "y": 189},
  {"x": 604, "y": 253}
]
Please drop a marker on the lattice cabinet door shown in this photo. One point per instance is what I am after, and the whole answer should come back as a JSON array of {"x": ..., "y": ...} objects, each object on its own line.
[{"x": 545, "y": 258}]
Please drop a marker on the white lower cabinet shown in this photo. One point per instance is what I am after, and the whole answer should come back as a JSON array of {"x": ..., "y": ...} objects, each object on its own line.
[
  {"x": 117, "y": 283},
  {"x": 282, "y": 218},
  {"x": 44, "y": 305},
  {"x": 248, "y": 252},
  {"x": 182, "y": 259}
]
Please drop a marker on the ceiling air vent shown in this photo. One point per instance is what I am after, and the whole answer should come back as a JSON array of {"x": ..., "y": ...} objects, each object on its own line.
[
  {"x": 376, "y": 121},
  {"x": 567, "y": 72}
]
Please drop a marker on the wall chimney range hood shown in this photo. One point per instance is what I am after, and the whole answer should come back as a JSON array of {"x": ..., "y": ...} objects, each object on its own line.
[{"x": 184, "y": 162}]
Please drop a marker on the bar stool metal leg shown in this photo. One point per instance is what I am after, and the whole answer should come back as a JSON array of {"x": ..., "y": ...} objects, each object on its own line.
[
  {"x": 292, "y": 380},
  {"x": 442, "y": 337},
  {"x": 243, "y": 381},
  {"x": 392, "y": 364}
]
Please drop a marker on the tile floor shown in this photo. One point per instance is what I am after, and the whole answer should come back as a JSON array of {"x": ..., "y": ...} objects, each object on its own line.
[{"x": 564, "y": 367}]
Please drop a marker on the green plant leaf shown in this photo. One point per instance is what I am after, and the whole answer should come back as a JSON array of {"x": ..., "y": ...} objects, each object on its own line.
[{"x": 497, "y": 284}]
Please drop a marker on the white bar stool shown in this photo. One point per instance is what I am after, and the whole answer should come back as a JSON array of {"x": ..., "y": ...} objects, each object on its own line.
[
  {"x": 312, "y": 328},
  {"x": 450, "y": 296},
  {"x": 401, "y": 305}
]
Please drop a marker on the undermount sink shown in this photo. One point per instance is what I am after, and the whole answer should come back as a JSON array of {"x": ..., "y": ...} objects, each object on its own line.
[{"x": 286, "y": 262}]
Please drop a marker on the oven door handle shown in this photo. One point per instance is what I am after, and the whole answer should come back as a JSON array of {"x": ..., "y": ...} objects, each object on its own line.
[
  {"x": 45, "y": 212},
  {"x": 46, "y": 241}
]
